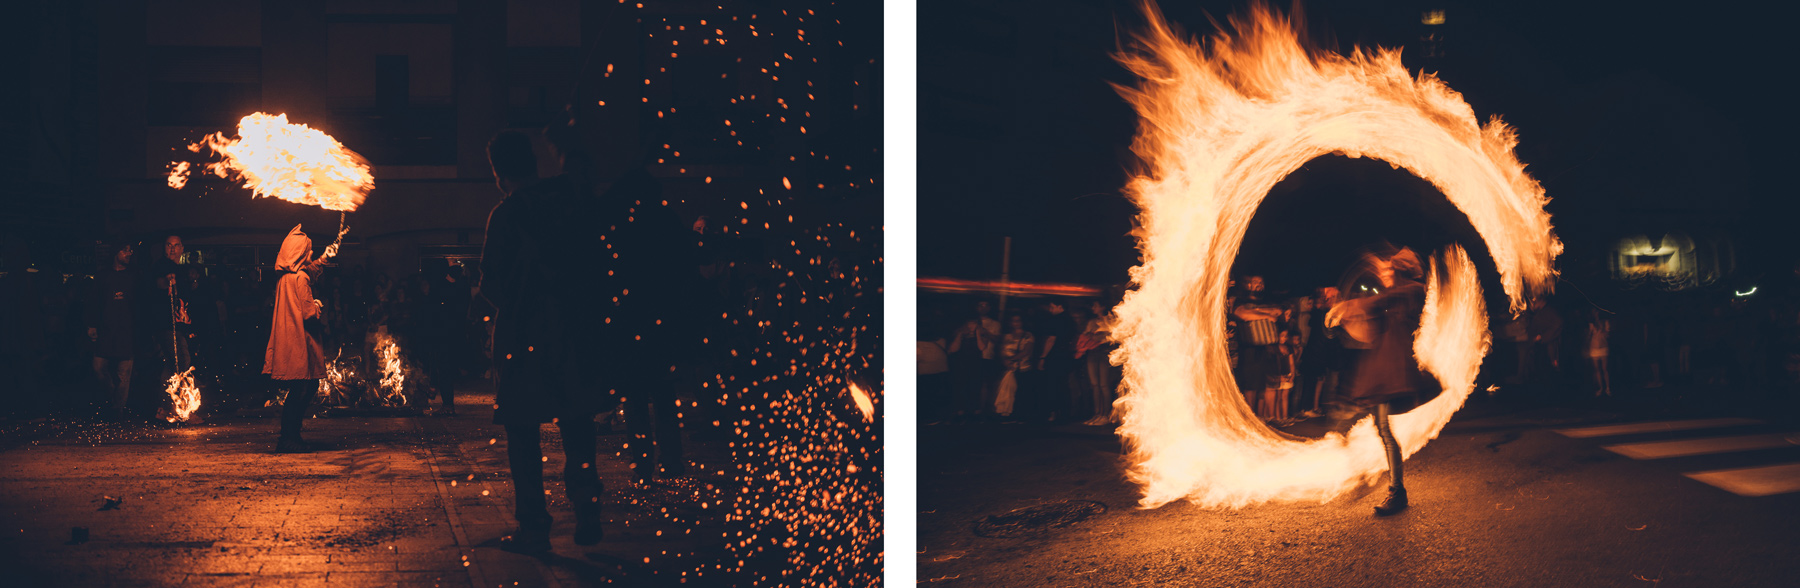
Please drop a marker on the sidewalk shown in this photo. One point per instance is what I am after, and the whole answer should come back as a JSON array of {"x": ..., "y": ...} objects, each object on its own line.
[{"x": 414, "y": 501}]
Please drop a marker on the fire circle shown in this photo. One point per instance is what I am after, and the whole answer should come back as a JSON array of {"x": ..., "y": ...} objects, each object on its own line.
[{"x": 1221, "y": 122}]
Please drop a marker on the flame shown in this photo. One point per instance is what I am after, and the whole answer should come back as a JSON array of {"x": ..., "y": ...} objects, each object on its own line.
[
  {"x": 391, "y": 389},
  {"x": 185, "y": 394},
  {"x": 178, "y": 175},
  {"x": 339, "y": 376},
  {"x": 293, "y": 162},
  {"x": 863, "y": 403},
  {"x": 1220, "y": 124}
]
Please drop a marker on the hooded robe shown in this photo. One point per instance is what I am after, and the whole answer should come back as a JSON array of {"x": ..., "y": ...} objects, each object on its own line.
[{"x": 294, "y": 353}]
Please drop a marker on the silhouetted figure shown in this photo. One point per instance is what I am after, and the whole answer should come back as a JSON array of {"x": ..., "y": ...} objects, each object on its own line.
[
  {"x": 440, "y": 334},
  {"x": 295, "y": 359},
  {"x": 1388, "y": 370},
  {"x": 110, "y": 318},
  {"x": 172, "y": 342},
  {"x": 638, "y": 311},
  {"x": 529, "y": 276}
]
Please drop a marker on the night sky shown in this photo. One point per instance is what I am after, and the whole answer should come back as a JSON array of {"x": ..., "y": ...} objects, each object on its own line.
[{"x": 1636, "y": 118}]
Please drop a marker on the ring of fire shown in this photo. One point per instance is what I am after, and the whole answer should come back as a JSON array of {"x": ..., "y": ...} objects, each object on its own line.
[{"x": 1220, "y": 124}]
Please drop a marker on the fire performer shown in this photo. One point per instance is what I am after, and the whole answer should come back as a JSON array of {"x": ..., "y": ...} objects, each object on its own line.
[
  {"x": 295, "y": 359},
  {"x": 1389, "y": 320},
  {"x": 172, "y": 341}
]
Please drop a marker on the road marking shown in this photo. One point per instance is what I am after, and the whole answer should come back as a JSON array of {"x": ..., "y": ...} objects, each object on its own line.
[
  {"x": 1757, "y": 481},
  {"x": 1687, "y": 447},
  {"x": 1654, "y": 427}
]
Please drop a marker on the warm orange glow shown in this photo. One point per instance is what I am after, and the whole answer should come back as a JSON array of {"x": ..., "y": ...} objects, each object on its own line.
[
  {"x": 293, "y": 162},
  {"x": 1010, "y": 288},
  {"x": 178, "y": 175},
  {"x": 863, "y": 403},
  {"x": 184, "y": 394},
  {"x": 1220, "y": 124},
  {"x": 391, "y": 389}
]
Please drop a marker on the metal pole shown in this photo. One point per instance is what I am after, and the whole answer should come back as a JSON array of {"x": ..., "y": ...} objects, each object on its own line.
[{"x": 1005, "y": 276}]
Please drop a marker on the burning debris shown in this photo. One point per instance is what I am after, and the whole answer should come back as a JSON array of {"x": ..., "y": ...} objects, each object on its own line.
[
  {"x": 1220, "y": 124},
  {"x": 184, "y": 396},
  {"x": 393, "y": 383}
]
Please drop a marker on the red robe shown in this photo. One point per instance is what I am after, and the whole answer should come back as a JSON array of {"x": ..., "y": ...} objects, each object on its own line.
[{"x": 293, "y": 353}]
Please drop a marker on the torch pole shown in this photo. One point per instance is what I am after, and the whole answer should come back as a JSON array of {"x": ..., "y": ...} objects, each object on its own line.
[{"x": 343, "y": 227}]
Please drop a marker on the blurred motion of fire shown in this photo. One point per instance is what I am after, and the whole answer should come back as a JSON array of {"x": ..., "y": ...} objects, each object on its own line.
[
  {"x": 1221, "y": 122},
  {"x": 293, "y": 162}
]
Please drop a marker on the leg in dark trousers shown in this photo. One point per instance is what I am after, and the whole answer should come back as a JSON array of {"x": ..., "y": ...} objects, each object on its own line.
[
  {"x": 655, "y": 432},
  {"x": 293, "y": 410},
  {"x": 1396, "y": 500},
  {"x": 525, "y": 455}
]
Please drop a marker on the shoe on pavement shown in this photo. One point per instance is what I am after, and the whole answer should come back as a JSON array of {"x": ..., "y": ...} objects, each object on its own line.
[
  {"x": 292, "y": 446},
  {"x": 1396, "y": 502},
  {"x": 589, "y": 532}
]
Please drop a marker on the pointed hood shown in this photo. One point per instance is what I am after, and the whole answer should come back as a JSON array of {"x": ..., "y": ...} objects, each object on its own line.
[{"x": 296, "y": 250}]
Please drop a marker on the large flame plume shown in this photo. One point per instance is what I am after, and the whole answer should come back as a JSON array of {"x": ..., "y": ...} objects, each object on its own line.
[
  {"x": 1221, "y": 122},
  {"x": 293, "y": 162}
]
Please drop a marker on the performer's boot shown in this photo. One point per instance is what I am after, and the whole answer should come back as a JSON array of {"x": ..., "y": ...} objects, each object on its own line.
[
  {"x": 1396, "y": 502},
  {"x": 531, "y": 539}
]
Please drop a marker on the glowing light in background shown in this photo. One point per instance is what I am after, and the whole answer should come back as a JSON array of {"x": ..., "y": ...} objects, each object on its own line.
[{"x": 1221, "y": 124}]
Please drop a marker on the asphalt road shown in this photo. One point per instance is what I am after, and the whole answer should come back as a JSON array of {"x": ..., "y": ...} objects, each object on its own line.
[{"x": 1502, "y": 498}]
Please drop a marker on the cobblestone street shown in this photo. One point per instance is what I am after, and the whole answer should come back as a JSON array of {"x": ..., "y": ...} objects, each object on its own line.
[{"x": 407, "y": 501}]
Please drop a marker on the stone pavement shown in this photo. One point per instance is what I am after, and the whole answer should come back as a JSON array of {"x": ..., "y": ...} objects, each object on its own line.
[{"x": 390, "y": 501}]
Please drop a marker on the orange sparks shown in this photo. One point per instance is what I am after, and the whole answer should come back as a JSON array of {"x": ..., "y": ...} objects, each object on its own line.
[
  {"x": 293, "y": 162},
  {"x": 1221, "y": 123}
]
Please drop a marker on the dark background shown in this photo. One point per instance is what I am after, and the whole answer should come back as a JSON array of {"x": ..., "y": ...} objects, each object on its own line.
[{"x": 1637, "y": 118}]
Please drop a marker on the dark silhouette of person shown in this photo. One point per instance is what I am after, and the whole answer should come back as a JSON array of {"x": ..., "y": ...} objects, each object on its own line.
[
  {"x": 294, "y": 359},
  {"x": 636, "y": 299},
  {"x": 111, "y": 318},
  {"x": 440, "y": 329},
  {"x": 530, "y": 280},
  {"x": 1389, "y": 370}
]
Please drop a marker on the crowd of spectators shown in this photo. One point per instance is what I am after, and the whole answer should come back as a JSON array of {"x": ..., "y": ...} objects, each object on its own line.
[
  {"x": 105, "y": 342},
  {"x": 1047, "y": 361}
]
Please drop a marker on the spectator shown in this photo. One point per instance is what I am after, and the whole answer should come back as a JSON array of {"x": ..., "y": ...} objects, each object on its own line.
[
  {"x": 1018, "y": 359},
  {"x": 1322, "y": 361},
  {"x": 971, "y": 353},
  {"x": 1056, "y": 362},
  {"x": 111, "y": 321},
  {"x": 1259, "y": 358},
  {"x": 1092, "y": 349},
  {"x": 1598, "y": 330}
]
